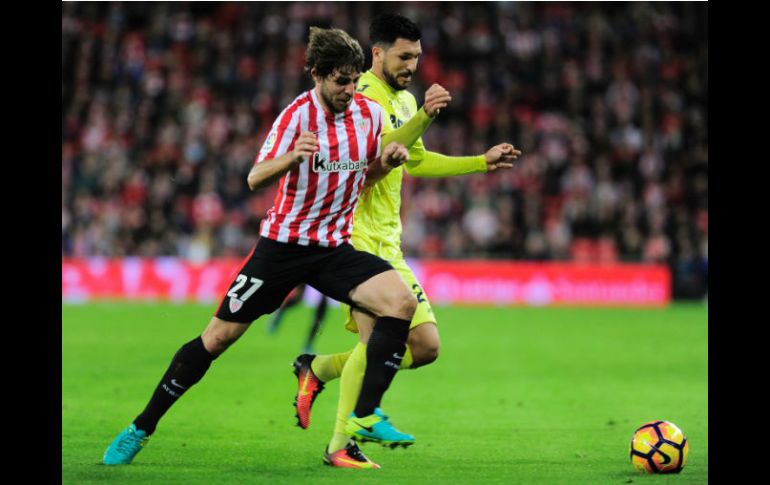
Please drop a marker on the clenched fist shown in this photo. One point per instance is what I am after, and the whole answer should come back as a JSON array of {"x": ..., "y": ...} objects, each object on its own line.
[
  {"x": 304, "y": 147},
  {"x": 501, "y": 156},
  {"x": 436, "y": 97},
  {"x": 394, "y": 154}
]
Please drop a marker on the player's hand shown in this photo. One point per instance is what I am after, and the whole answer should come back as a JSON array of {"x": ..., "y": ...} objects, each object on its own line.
[
  {"x": 394, "y": 155},
  {"x": 501, "y": 156},
  {"x": 304, "y": 147},
  {"x": 436, "y": 97}
]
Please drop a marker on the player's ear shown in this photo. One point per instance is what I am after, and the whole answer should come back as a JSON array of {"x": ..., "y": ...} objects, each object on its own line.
[
  {"x": 314, "y": 75},
  {"x": 378, "y": 53}
]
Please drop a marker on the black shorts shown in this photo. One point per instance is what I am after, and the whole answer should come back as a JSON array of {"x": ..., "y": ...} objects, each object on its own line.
[{"x": 273, "y": 269}]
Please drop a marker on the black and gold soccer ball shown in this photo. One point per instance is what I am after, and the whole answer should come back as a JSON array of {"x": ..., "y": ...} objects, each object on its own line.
[{"x": 659, "y": 447}]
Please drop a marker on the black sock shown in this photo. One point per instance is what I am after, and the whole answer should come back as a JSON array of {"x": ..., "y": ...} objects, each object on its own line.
[
  {"x": 187, "y": 367},
  {"x": 276, "y": 318},
  {"x": 384, "y": 352},
  {"x": 318, "y": 320}
]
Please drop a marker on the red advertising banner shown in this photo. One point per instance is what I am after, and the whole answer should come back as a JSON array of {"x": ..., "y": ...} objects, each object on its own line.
[
  {"x": 445, "y": 282},
  {"x": 512, "y": 283},
  {"x": 164, "y": 278}
]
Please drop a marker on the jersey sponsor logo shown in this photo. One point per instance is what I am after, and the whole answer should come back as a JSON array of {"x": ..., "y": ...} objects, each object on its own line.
[
  {"x": 235, "y": 304},
  {"x": 320, "y": 165},
  {"x": 397, "y": 123},
  {"x": 362, "y": 88}
]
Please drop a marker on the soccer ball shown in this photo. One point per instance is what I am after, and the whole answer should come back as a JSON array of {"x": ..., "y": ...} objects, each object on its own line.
[{"x": 659, "y": 447}]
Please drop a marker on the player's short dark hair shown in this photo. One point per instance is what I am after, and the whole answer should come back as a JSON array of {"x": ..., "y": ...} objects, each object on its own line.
[
  {"x": 330, "y": 49},
  {"x": 388, "y": 27}
]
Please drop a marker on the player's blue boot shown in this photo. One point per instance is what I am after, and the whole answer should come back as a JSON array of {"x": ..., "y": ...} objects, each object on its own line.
[
  {"x": 125, "y": 446},
  {"x": 377, "y": 428}
]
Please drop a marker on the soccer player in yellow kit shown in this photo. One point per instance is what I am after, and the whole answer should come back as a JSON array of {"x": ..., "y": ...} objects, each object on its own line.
[{"x": 377, "y": 229}]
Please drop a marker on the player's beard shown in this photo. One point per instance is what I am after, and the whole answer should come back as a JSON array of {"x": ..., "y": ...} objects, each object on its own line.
[
  {"x": 329, "y": 101},
  {"x": 392, "y": 79}
]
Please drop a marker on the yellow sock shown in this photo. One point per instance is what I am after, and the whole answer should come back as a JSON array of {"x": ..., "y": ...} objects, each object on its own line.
[
  {"x": 329, "y": 367},
  {"x": 407, "y": 361},
  {"x": 338, "y": 442},
  {"x": 350, "y": 386}
]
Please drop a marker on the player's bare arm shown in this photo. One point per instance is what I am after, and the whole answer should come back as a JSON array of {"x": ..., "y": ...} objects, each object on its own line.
[
  {"x": 436, "y": 98},
  {"x": 268, "y": 171},
  {"x": 394, "y": 155},
  {"x": 501, "y": 156}
]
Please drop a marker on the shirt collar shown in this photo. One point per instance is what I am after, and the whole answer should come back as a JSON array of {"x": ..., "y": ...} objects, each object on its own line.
[{"x": 381, "y": 82}]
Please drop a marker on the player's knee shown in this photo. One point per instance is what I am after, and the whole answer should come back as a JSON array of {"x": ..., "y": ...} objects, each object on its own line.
[
  {"x": 405, "y": 305},
  {"x": 399, "y": 304},
  {"x": 423, "y": 352},
  {"x": 217, "y": 342}
]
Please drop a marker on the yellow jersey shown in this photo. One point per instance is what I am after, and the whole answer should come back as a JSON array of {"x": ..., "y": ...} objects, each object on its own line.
[{"x": 378, "y": 215}]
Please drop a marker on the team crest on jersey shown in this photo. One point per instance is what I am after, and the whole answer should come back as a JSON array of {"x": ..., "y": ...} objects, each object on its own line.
[
  {"x": 405, "y": 110},
  {"x": 235, "y": 304},
  {"x": 363, "y": 124},
  {"x": 321, "y": 165},
  {"x": 270, "y": 140}
]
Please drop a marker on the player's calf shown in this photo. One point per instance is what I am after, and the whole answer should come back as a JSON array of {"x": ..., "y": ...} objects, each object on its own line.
[
  {"x": 219, "y": 335},
  {"x": 423, "y": 342}
]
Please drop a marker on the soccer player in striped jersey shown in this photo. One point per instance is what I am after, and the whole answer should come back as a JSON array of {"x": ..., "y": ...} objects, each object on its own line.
[
  {"x": 377, "y": 229},
  {"x": 320, "y": 150}
]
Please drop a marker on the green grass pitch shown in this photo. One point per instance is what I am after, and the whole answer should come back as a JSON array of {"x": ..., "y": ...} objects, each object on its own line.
[{"x": 518, "y": 396}]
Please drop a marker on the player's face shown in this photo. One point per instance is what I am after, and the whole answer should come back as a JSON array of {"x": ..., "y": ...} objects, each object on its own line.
[
  {"x": 338, "y": 88},
  {"x": 400, "y": 63}
]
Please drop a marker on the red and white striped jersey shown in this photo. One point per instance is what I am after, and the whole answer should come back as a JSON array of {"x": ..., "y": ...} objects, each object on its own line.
[{"x": 316, "y": 199}]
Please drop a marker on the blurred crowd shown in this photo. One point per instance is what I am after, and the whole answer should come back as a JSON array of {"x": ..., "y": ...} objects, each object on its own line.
[{"x": 165, "y": 105}]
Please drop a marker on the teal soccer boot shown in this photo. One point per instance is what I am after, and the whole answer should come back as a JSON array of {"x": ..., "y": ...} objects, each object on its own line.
[
  {"x": 125, "y": 446},
  {"x": 377, "y": 428}
]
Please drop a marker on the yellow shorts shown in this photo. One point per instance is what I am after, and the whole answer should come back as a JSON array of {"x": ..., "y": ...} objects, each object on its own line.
[{"x": 393, "y": 255}]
